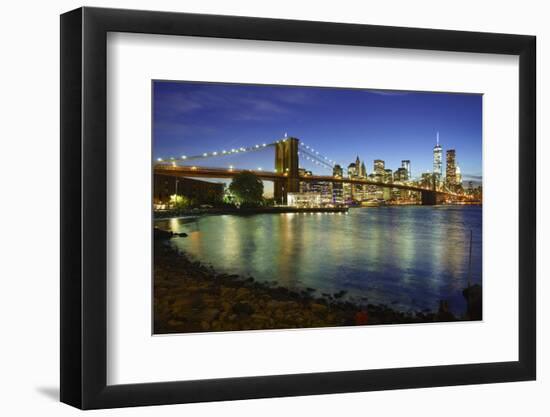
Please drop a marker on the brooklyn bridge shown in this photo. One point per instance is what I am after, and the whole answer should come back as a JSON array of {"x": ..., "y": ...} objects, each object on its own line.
[{"x": 286, "y": 175}]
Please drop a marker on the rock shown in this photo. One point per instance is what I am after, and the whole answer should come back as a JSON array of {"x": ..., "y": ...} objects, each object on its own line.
[
  {"x": 273, "y": 305},
  {"x": 159, "y": 234},
  {"x": 242, "y": 294},
  {"x": 279, "y": 314},
  {"x": 259, "y": 317},
  {"x": 210, "y": 314},
  {"x": 243, "y": 309},
  {"x": 318, "y": 308}
]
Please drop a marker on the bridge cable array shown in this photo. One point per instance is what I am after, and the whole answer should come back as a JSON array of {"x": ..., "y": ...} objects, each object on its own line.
[
  {"x": 305, "y": 151},
  {"x": 223, "y": 152}
]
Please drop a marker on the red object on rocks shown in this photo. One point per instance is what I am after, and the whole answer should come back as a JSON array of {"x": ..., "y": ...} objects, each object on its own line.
[{"x": 361, "y": 318}]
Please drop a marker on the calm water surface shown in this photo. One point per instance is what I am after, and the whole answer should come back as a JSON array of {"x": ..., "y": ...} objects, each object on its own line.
[{"x": 406, "y": 257}]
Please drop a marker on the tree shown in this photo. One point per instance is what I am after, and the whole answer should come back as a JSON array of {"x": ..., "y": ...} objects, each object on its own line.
[
  {"x": 179, "y": 201},
  {"x": 247, "y": 188}
]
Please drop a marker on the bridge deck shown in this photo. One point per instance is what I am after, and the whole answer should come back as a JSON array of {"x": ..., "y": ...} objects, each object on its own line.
[{"x": 206, "y": 172}]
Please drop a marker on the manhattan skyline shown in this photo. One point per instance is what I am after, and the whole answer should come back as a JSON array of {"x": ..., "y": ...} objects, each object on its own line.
[{"x": 192, "y": 118}]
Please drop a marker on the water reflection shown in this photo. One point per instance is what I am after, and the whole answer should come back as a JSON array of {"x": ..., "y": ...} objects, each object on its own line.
[{"x": 408, "y": 257}]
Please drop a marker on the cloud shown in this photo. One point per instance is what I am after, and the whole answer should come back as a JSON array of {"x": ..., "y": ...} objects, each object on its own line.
[
  {"x": 229, "y": 102},
  {"x": 472, "y": 177}
]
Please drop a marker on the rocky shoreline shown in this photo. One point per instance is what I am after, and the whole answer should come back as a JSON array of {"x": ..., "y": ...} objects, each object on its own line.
[{"x": 191, "y": 297}]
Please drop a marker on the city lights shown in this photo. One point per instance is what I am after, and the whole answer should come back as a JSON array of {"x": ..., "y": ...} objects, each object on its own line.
[{"x": 357, "y": 186}]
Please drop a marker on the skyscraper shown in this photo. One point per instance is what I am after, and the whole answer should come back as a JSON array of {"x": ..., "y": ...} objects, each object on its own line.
[
  {"x": 407, "y": 165},
  {"x": 438, "y": 159},
  {"x": 379, "y": 170},
  {"x": 352, "y": 170},
  {"x": 363, "y": 173},
  {"x": 458, "y": 175},
  {"x": 450, "y": 173},
  {"x": 379, "y": 167},
  {"x": 338, "y": 187},
  {"x": 388, "y": 175},
  {"x": 400, "y": 175}
]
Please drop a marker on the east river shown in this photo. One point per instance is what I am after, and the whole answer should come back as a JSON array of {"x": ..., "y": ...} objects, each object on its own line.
[{"x": 408, "y": 257}]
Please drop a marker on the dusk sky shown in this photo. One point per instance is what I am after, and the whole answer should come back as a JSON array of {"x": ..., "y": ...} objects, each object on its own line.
[{"x": 191, "y": 118}]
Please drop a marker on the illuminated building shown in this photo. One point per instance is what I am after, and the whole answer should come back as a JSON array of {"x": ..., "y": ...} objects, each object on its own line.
[
  {"x": 458, "y": 176},
  {"x": 406, "y": 164},
  {"x": 324, "y": 189},
  {"x": 401, "y": 175},
  {"x": 309, "y": 199},
  {"x": 352, "y": 170},
  {"x": 450, "y": 173},
  {"x": 438, "y": 159},
  {"x": 379, "y": 170},
  {"x": 427, "y": 180},
  {"x": 388, "y": 175},
  {"x": 337, "y": 187},
  {"x": 379, "y": 167},
  {"x": 305, "y": 186},
  {"x": 363, "y": 173}
]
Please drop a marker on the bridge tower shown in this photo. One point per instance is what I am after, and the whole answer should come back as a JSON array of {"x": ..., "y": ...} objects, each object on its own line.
[{"x": 286, "y": 162}]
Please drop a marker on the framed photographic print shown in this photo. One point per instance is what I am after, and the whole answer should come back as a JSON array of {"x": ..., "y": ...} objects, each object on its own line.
[{"x": 258, "y": 208}]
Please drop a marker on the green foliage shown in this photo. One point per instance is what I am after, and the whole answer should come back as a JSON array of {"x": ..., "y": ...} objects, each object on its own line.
[
  {"x": 179, "y": 201},
  {"x": 247, "y": 188},
  {"x": 212, "y": 196}
]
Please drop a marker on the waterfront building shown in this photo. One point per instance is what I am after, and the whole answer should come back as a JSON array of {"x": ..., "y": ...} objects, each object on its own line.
[
  {"x": 324, "y": 189},
  {"x": 305, "y": 186},
  {"x": 309, "y": 199},
  {"x": 406, "y": 164},
  {"x": 201, "y": 192},
  {"x": 347, "y": 192},
  {"x": 438, "y": 159},
  {"x": 450, "y": 172},
  {"x": 338, "y": 194}
]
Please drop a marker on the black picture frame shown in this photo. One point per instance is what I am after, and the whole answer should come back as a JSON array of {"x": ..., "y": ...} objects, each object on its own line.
[{"x": 84, "y": 207}]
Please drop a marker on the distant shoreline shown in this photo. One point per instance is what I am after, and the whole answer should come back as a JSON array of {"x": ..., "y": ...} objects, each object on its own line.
[
  {"x": 178, "y": 214},
  {"x": 252, "y": 210}
]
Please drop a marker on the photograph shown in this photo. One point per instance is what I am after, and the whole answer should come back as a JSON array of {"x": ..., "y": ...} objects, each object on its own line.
[{"x": 281, "y": 207}]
